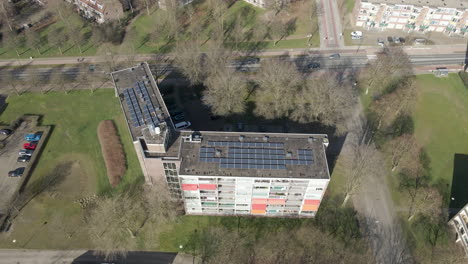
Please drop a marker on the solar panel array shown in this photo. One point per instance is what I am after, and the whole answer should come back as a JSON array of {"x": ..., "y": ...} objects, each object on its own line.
[
  {"x": 141, "y": 108},
  {"x": 254, "y": 158},
  {"x": 246, "y": 144}
]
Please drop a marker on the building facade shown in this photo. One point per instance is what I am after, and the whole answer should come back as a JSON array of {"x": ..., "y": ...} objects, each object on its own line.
[
  {"x": 460, "y": 225},
  {"x": 222, "y": 173},
  {"x": 100, "y": 10},
  {"x": 447, "y": 16}
]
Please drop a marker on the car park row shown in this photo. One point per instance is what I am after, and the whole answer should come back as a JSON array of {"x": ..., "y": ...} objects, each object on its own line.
[{"x": 25, "y": 153}]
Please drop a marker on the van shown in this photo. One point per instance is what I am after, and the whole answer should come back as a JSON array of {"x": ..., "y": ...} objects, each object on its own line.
[{"x": 183, "y": 125}]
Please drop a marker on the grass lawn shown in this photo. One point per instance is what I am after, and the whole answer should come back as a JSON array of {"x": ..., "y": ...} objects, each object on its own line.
[
  {"x": 53, "y": 220},
  {"x": 68, "y": 49},
  {"x": 441, "y": 122}
]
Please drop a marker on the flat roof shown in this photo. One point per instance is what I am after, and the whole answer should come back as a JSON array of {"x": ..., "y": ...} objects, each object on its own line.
[
  {"x": 431, "y": 3},
  {"x": 142, "y": 104},
  {"x": 241, "y": 154}
]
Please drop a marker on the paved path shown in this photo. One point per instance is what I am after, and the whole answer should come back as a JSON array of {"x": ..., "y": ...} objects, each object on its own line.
[
  {"x": 329, "y": 24},
  {"x": 20, "y": 256}
]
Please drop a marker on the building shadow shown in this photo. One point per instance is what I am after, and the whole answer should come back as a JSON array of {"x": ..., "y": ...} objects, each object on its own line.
[
  {"x": 132, "y": 257},
  {"x": 458, "y": 193},
  {"x": 3, "y": 103},
  {"x": 466, "y": 58}
]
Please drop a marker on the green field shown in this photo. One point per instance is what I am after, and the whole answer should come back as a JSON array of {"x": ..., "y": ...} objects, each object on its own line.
[
  {"x": 72, "y": 149},
  {"x": 441, "y": 122}
]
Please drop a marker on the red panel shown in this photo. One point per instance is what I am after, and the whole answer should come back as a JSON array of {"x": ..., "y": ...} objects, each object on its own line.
[
  {"x": 314, "y": 202},
  {"x": 189, "y": 187},
  {"x": 258, "y": 206},
  {"x": 276, "y": 201},
  {"x": 207, "y": 186}
]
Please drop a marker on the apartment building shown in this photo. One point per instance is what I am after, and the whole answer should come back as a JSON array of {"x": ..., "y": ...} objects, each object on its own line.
[
  {"x": 447, "y": 16},
  {"x": 460, "y": 224},
  {"x": 100, "y": 10},
  {"x": 222, "y": 173}
]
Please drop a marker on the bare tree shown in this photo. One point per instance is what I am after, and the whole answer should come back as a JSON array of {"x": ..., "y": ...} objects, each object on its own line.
[
  {"x": 226, "y": 93},
  {"x": 57, "y": 38},
  {"x": 277, "y": 5},
  {"x": 11, "y": 40},
  {"x": 278, "y": 81},
  {"x": 33, "y": 40},
  {"x": 114, "y": 223},
  {"x": 7, "y": 12},
  {"x": 403, "y": 147},
  {"x": 188, "y": 57},
  {"x": 11, "y": 80},
  {"x": 388, "y": 71},
  {"x": 325, "y": 100},
  {"x": 278, "y": 30},
  {"x": 237, "y": 32},
  {"x": 147, "y": 5},
  {"x": 389, "y": 106},
  {"x": 427, "y": 202},
  {"x": 360, "y": 161},
  {"x": 59, "y": 81},
  {"x": 76, "y": 37},
  {"x": 36, "y": 81}
]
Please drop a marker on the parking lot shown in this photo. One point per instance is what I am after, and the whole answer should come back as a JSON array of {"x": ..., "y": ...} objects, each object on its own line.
[{"x": 8, "y": 162}]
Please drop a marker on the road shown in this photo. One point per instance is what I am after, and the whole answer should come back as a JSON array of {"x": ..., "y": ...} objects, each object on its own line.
[
  {"x": 21, "y": 256},
  {"x": 329, "y": 24}
]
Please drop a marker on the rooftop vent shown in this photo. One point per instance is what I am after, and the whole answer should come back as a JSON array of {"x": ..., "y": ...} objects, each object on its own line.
[
  {"x": 311, "y": 140},
  {"x": 218, "y": 152},
  {"x": 265, "y": 138},
  {"x": 157, "y": 130},
  {"x": 196, "y": 137},
  {"x": 241, "y": 138},
  {"x": 289, "y": 154}
]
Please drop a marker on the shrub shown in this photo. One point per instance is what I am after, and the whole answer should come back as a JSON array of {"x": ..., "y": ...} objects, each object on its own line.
[{"x": 112, "y": 151}]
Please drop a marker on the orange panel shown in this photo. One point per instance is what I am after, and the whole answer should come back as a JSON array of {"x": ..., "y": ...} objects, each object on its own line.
[
  {"x": 314, "y": 202},
  {"x": 259, "y": 207},
  {"x": 259, "y": 201},
  {"x": 276, "y": 201},
  {"x": 258, "y": 211},
  {"x": 310, "y": 207}
]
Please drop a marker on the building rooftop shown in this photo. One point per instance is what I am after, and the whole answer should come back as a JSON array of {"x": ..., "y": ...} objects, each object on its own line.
[
  {"x": 460, "y": 4},
  {"x": 254, "y": 155},
  {"x": 143, "y": 106}
]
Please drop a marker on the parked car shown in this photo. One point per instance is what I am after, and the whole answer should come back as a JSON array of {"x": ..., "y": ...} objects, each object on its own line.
[
  {"x": 335, "y": 56},
  {"x": 179, "y": 117},
  {"x": 17, "y": 172},
  {"x": 26, "y": 152},
  {"x": 313, "y": 65},
  {"x": 420, "y": 41},
  {"x": 176, "y": 111},
  {"x": 381, "y": 42},
  {"x": 396, "y": 40},
  {"x": 240, "y": 126},
  {"x": 23, "y": 158},
  {"x": 32, "y": 137},
  {"x": 5, "y": 131},
  {"x": 30, "y": 145},
  {"x": 390, "y": 39},
  {"x": 183, "y": 125}
]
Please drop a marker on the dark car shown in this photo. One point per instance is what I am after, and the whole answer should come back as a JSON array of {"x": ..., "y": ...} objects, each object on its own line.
[
  {"x": 23, "y": 158},
  {"x": 313, "y": 65},
  {"x": 335, "y": 56},
  {"x": 5, "y": 132},
  {"x": 252, "y": 60},
  {"x": 16, "y": 173},
  {"x": 390, "y": 39}
]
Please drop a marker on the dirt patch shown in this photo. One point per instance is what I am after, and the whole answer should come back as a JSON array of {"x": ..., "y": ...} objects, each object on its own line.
[{"x": 112, "y": 151}]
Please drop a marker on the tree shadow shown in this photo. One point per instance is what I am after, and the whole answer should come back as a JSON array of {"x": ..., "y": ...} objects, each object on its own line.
[{"x": 458, "y": 197}]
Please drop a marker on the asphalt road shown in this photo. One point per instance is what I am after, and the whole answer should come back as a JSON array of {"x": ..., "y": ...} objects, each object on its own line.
[
  {"x": 21, "y": 256},
  {"x": 329, "y": 24},
  {"x": 302, "y": 62}
]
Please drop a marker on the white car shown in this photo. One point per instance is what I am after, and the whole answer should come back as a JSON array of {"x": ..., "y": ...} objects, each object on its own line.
[
  {"x": 183, "y": 125},
  {"x": 25, "y": 152},
  {"x": 356, "y": 34}
]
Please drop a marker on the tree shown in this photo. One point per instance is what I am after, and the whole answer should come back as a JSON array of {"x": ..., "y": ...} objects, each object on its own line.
[
  {"x": 57, "y": 38},
  {"x": 218, "y": 9},
  {"x": 188, "y": 57},
  {"x": 391, "y": 105},
  {"x": 324, "y": 100},
  {"x": 59, "y": 80},
  {"x": 426, "y": 202},
  {"x": 33, "y": 40},
  {"x": 76, "y": 37},
  {"x": 361, "y": 160},
  {"x": 389, "y": 70},
  {"x": 238, "y": 30},
  {"x": 11, "y": 80},
  {"x": 7, "y": 12},
  {"x": 11, "y": 40},
  {"x": 114, "y": 223},
  {"x": 402, "y": 147},
  {"x": 147, "y": 4},
  {"x": 278, "y": 30},
  {"x": 276, "y": 5},
  {"x": 36, "y": 81},
  {"x": 278, "y": 81},
  {"x": 225, "y": 93}
]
